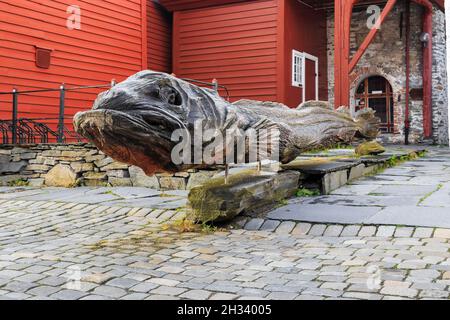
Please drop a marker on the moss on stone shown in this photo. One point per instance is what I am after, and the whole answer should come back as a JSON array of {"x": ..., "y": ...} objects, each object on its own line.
[{"x": 369, "y": 148}]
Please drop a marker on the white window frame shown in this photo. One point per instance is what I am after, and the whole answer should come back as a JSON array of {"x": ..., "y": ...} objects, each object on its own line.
[{"x": 298, "y": 69}]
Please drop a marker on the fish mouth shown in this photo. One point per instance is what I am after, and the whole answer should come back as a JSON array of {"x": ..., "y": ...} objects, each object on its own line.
[{"x": 129, "y": 138}]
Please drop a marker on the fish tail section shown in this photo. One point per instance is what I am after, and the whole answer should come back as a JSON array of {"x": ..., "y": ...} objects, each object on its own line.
[{"x": 368, "y": 123}]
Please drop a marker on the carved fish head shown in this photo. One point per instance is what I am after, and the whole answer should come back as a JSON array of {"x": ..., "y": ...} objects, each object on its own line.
[{"x": 133, "y": 122}]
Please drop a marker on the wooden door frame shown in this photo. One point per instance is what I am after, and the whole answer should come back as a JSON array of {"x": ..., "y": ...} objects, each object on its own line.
[
  {"x": 316, "y": 62},
  {"x": 388, "y": 94}
]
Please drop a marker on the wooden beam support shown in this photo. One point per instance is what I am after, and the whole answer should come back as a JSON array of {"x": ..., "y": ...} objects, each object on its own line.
[
  {"x": 372, "y": 33},
  {"x": 343, "y": 15}
]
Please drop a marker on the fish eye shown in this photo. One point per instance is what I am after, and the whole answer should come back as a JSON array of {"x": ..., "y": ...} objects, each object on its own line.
[{"x": 173, "y": 97}]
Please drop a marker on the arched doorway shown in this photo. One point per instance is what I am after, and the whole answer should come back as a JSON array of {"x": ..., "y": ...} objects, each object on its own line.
[{"x": 376, "y": 92}]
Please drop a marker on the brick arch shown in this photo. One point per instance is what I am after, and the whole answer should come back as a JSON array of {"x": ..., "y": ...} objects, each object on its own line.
[{"x": 361, "y": 74}]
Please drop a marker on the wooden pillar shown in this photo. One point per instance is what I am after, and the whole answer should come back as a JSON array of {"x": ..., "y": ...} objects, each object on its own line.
[
  {"x": 408, "y": 67},
  {"x": 427, "y": 67},
  {"x": 342, "y": 17}
]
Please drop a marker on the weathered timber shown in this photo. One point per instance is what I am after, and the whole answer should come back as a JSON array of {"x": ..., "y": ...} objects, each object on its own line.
[
  {"x": 134, "y": 122},
  {"x": 215, "y": 201}
]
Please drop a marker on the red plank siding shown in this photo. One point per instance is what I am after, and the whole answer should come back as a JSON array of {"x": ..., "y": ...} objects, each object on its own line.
[
  {"x": 305, "y": 31},
  {"x": 177, "y": 5},
  {"x": 236, "y": 44},
  {"x": 159, "y": 38},
  {"x": 111, "y": 44}
]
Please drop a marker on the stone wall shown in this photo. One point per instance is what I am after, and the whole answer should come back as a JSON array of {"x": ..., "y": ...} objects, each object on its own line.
[
  {"x": 386, "y": 57},
  {"x": 440, "y": 98},
  {"x": 83, "y": 165}
]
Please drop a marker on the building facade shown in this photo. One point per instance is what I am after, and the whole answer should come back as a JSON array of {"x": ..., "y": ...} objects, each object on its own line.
[{"x": 271, "y": 50}]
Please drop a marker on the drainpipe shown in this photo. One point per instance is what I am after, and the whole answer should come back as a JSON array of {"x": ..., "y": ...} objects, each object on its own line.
[
  {"x": 447, "y": 19},
  {"x": 408, "y": 67}
]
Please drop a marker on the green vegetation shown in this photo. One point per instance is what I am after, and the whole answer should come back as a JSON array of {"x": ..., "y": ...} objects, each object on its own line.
[
  {"x": 18, "y": 183},
  {"x": 186, "y": 225},
  {"x": 303, "y": 192},
  {"x": 425, "y": 197}
]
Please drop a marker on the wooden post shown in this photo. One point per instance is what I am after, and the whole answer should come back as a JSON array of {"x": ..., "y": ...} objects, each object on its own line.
[
  {"x": 427, "y": 67},
  {"x": 342, "y": 17}
]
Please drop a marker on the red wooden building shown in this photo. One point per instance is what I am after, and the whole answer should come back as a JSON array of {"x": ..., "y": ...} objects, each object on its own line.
[{"x": 283, "y": 50}]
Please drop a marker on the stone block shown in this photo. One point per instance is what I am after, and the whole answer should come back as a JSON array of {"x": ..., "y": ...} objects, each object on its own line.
[
  {"x": 199, "y": 178},
  {"x": 95, "y": 176},
  {"x": 115, "y": 166},
  {"x": 12, "y": 167},
  {"x": 103, "y": 162},
  {"x": 61, "y": 176},
  {"x": 356, "y": 172},
  {"x": 334, "y": 180},
  {"x": 120, "y": 182},
  {"x": 37, "y": 167},
  {"x": 27, "y": 156},
  {"x": 47, "y": 161},
  {"x": 73, "y": 154},
  {"x": 172, "y": 183},
  {"x": 118, "y": 173},
  {"x": 4, "y": 180},
  {"x": 39, "y": 182},
  {"x": 94, "y": 158},
  {"x": 140, "y": 179},
  {"x": 371, "y": 169},
  {"x": 51, "y": 153}
]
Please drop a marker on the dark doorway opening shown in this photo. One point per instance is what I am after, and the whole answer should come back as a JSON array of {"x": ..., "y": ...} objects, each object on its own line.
[{"x": 376, "y": 92}]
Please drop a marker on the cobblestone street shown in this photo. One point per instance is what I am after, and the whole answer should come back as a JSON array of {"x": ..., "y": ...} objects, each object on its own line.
[{"x": 107, "y": 248}]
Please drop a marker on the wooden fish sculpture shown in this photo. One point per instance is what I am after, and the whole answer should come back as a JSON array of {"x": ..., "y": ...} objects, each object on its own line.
[{"x": 139, "y": 121}]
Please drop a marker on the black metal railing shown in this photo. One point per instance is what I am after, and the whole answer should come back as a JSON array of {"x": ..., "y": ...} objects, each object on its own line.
[
  {"x": 22, "y": 130},
  {"x": 214, "y": 85},
  {"x": 29, "y": 130}
]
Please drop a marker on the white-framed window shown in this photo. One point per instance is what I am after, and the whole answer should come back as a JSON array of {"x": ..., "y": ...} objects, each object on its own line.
[{"x": 298, "y": 62}]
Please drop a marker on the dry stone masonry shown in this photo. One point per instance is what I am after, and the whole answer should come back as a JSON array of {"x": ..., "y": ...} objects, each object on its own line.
[{"x": 83, "y": 165}]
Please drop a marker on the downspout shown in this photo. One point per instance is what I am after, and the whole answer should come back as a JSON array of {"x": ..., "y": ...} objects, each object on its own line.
[{"x": 408, "y": 67}]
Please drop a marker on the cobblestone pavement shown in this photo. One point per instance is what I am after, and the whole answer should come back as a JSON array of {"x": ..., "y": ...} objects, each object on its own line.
[{"x": 119, "y": 249}]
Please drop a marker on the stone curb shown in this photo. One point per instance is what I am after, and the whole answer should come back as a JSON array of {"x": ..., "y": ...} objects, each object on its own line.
[{"x": 338, "y": 230}]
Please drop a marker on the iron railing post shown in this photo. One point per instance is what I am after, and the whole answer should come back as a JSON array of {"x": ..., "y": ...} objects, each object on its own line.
[
  {"x": 215, "y": 84},
  {"x": 62, "y": 98},
  {"x": 14, "y": 115}
]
